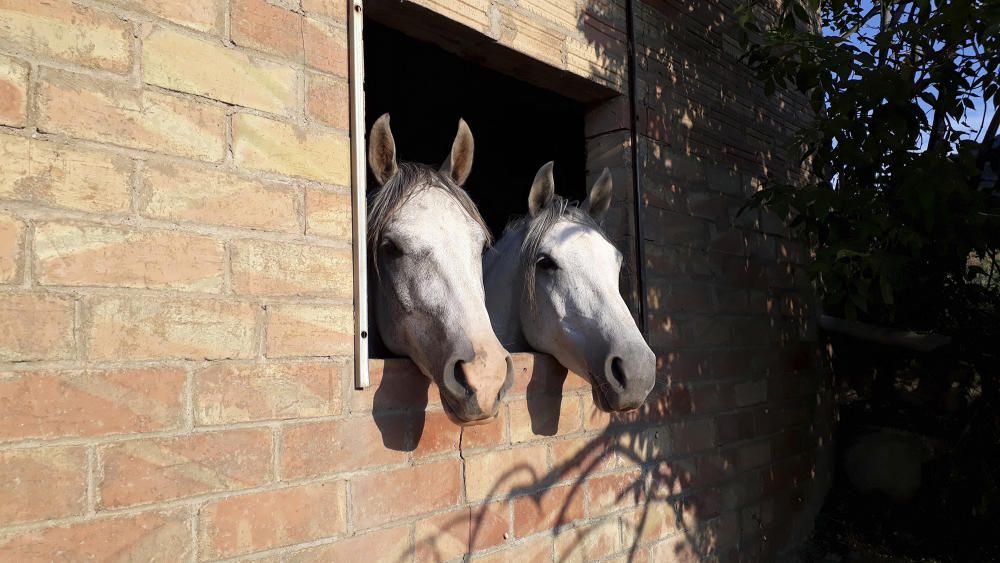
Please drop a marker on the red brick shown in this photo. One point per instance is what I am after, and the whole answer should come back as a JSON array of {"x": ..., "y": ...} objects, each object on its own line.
[
  {"x": 708, "y": 468},
  {"x": 328, "y": 214},
  {"x": 376, "y": 497},
  {"x": 325, "y": 46},
  {"x": 578, "y": 457},
  {"x": 121, "y": 328},
  {"x": 336, "y": 9},
  {"x": 616, "y": 491},
  {"x": 266, "y": 27},
  {"x": 187, "y": 194},
  {"x": 42, "y": 483},
  {"x": 13, "y": 91},
  {"x": 228, "y": 393},
  {"x": 500, "y": 473},
  {"x": 683, "y": 365},
  {"x": 395, "y": 384},
  {"x": 11, "y": 243},
  {"x": 729, "y": 242},
  {"x": 734, "y": 427},
  {"x": 275, "y": 146},
  {"x": 593, "y": 417},
  {"x": 117, "y": 113},
  {"x": 91, "y": 255},
  {"x": 144, "y": 471},
  {"x": 750, "y": 393},
  {"x": 436, "y": 434},
  {"x": 701, "y": 506},
  {"x": 36, "y": 327},
  {"x": 725, "y": 529},
  {"x": 328, "y": 100},
  {"x": 689, "y": 298},
  {"x": 204, "y": 15},
  {"x": 547, "y": 509},
  {"x": 668, "y": 227},
  {"x": 712, "y": 398},
  {"x": 309, "y": 329},
  {"x": 255, "y": 522},
  {"x": 460, "y": 532},
  {"x": 639, "y": 446},
  {"x": 221, "y": 73},
  {"x": 56, "y": 175},
  {"x": 650, "y": 522},
  {"x": 590, "y": 542},
  {"x": 149, "y": 536},
  {"x": 535, "y": 550},
  {"x": 612, "y": 115},
  {"x": 54, "y": 404},
  {"x": 542, "y": 374},
  {"x": 692, "y": 436},
  {"x": 270, "y": 268},
  {"x": 384, "y": 546},
  {"x": 753, "y": 455},
  {"x": 485, "y": 435},
  {"x": 677, "y": 549},
  {"x": 352, "y": 444},
  {"x": 541, "y": 416},
  {"x": 64, "y": 30}
]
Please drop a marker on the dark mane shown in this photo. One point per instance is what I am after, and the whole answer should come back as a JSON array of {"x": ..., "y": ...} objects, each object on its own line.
[
  {"x": 410, "y": 179},
  {"x": 535, "y": 228}
]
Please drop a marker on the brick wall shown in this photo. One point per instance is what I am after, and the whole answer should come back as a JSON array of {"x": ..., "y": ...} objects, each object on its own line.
[{"x": 175, "y": 305}]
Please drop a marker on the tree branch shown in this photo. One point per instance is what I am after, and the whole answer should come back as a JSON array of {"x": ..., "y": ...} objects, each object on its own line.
[
  {"x": 864, "y": 19},
  {"x": 991, "y": 130},
  {"x": 882, "y": 335}
]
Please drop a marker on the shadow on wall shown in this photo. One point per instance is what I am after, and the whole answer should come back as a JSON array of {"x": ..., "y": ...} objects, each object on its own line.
[
  {"x": 598, "y": 480},
  {"x": 660, "y": 483}
]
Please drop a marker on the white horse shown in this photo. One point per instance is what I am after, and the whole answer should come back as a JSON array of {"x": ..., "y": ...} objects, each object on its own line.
[
  {"x": 426, "y": 242},
  {"x": 552, "y": 286}
]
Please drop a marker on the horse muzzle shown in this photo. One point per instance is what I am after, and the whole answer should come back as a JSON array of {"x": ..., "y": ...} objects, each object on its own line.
[{"x": 473, "y": 388}]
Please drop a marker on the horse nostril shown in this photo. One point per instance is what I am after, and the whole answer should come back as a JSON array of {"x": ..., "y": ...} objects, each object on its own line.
[
  {"x": 618, "y": 372},
  {"x": 461, "y": 379}
]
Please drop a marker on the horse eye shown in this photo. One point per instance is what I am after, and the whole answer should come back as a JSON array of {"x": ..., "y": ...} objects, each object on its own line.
[
  {"x": 546, "y": 263},
  {"x": 391, "y": 250}
]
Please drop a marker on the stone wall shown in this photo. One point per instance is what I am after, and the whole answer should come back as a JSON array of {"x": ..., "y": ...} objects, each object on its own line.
[{"x": 176, "y": 308}]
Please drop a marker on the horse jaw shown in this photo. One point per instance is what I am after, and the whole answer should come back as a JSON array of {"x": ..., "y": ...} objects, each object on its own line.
[
  {"x": 580, "y": 317},
  {"x": 432, "y": 306}
]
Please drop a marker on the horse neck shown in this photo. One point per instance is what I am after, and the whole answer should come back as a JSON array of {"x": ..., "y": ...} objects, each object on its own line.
[{"x": 503, "y": 284}]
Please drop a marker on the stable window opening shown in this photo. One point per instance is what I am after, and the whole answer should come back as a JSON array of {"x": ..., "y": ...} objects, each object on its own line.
[
  {"x": 517, "y": 126},
  {"x": 427, "y": 74}
]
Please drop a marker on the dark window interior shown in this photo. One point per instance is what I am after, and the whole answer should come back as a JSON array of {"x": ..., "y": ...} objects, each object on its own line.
[{"x": 517, "y": 126}]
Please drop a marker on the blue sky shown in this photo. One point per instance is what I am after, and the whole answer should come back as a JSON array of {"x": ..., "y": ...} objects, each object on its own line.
[{"x": 975, "y": 119}]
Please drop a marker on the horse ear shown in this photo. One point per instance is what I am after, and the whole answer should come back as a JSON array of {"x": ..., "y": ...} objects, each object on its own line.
[
  {"x": 458, "y": 165},
  {"x": 599, "y": 199},
  {"x": 542, "y": 189},
  {"x": 382, "y": 150}
]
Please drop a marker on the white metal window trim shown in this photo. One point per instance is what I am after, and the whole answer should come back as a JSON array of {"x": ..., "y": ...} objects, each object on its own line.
[{"x": 356, "y": 75}]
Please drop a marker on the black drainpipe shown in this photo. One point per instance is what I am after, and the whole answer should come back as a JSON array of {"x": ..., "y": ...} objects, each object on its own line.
[{"x": 633, "y": 103}]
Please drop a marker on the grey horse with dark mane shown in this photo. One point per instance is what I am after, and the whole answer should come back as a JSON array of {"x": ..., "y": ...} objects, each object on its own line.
[
  {"x": 426, "y": 242},
  {"x": 552, "y": 286}
]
